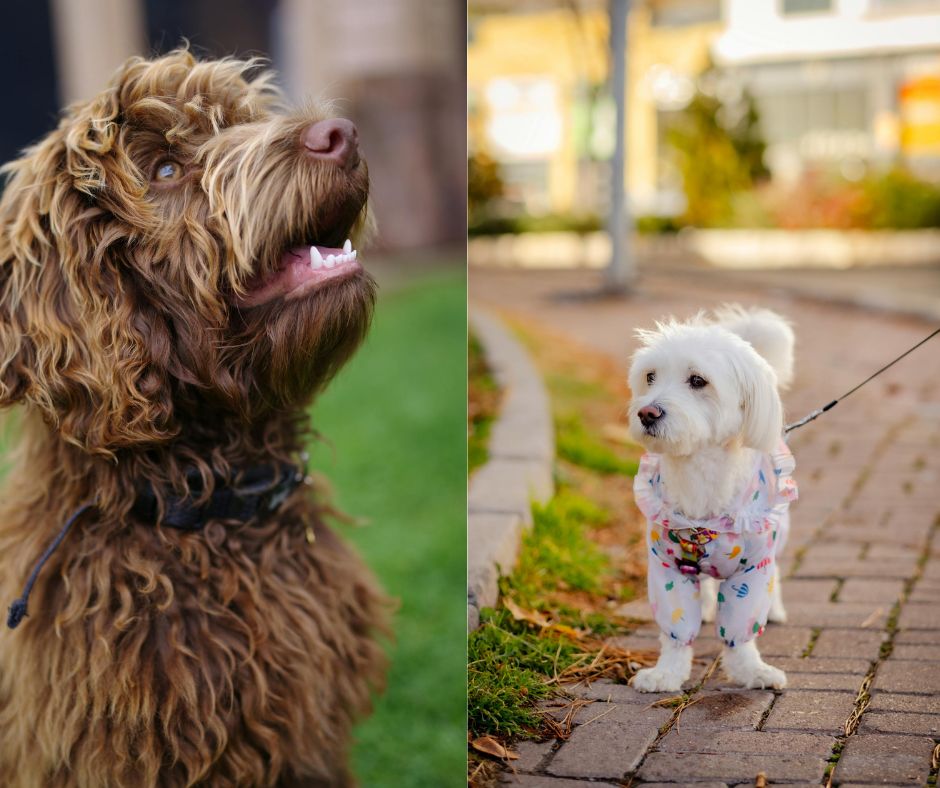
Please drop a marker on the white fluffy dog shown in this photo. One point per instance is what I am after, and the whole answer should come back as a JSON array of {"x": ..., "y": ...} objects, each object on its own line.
[{"x": 715, "y": 485}]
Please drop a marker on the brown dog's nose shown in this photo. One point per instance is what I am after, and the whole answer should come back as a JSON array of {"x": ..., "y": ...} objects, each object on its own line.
[
  {"x": 333, "y": 140},
  {"x": 649, "y": 415}
]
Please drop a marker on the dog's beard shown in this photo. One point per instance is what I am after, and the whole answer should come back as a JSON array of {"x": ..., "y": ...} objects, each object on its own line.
[{"x": 298, "y": 345}]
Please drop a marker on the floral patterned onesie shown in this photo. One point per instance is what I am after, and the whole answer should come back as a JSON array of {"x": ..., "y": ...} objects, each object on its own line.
[{"x": 738, "y": 546}]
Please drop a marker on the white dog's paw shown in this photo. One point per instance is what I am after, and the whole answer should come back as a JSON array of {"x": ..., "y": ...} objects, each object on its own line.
[
  {"x": 777, "y": 614},
  {"x": 744, "y": 666},
  {"x": 755, "y": 674},
  {"x": 657, "y": 679},
  {"x": 761, "y": 676}
]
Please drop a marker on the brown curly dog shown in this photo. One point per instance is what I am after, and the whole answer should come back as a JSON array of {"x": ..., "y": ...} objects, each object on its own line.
[{"x": 164, "y": 323}]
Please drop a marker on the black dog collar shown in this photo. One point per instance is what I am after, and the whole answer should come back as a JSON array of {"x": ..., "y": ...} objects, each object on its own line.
[{"x": 255, "y": 491}]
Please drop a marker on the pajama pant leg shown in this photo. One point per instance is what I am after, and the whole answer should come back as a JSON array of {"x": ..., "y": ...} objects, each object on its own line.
[
  {"x": 782, "y": 532},
  {"x": 675, "y": 600},
  {"x": 743, "y": 604}
]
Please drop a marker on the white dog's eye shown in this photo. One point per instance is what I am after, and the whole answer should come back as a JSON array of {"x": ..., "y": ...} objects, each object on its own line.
[
  {"x": 697, "y": 382},
  {"x": 650, "y": 377},
  {"x": 167, "y": 170}
]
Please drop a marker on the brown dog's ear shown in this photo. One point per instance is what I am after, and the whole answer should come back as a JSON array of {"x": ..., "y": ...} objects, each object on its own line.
[{"x": 73, "y": 341}]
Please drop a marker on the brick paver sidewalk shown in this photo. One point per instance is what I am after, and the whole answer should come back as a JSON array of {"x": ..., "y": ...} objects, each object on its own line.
[{"x": 862, "y": 644}]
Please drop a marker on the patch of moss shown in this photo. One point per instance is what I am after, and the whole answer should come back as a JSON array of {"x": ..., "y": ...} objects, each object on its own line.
[
  {"x": 576, "y": 444},
  {"x": 508, "y": 664},
  {"x": 482, "y": 403},
  {"x": 565, "y": 388},
  {"x": 557, "y": 551}
]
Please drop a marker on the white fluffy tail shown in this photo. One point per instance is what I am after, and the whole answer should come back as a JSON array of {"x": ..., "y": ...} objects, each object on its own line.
[{"x": 767, "y": 332}]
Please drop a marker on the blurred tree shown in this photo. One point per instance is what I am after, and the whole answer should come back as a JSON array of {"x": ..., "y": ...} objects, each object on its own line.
[
  {"x": 719, "y": 150},
  {"x": 484, "y": 186}
]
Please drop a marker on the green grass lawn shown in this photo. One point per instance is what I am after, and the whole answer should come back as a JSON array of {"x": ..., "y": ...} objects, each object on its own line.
[{"x": 396, "y": 419}]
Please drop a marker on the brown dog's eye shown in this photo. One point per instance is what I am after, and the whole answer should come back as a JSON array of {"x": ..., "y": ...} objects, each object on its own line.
[
  {"x": 650, "y": 377},
  {"x": 167, "y": 171},
  {"x": 697, "y": 382}
]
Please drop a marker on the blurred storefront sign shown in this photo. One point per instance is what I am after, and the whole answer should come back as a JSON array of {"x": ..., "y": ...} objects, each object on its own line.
[{"x": 919, "y": 101}]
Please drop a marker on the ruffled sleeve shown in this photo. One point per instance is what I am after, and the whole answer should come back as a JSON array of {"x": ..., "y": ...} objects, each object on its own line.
[
  {"x": 783, "y": 464},
  {"x": 646, "y": 490}
]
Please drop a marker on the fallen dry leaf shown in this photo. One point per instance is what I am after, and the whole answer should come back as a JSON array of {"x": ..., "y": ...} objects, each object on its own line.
[
  {"x": 872, "y": 618},
  {"x": 521, "y": 614},
  {"x": 489, "y": 746},
  {"x": 574, "y": 634}
]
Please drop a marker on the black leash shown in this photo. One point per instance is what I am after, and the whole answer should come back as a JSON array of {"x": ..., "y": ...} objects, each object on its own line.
[
  {"x": 18, "y": 609},
  {"x": 816, "y": 413}
]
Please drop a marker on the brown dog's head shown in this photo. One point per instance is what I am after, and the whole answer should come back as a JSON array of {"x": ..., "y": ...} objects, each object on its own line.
[{"x": 155, "y": 257}]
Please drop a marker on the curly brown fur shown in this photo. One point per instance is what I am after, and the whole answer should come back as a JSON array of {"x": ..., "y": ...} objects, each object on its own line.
[{"x": 241, "y": 654}]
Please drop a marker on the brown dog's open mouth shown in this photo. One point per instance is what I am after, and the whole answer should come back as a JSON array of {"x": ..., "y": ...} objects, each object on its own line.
[{"x": 302, "y": 269}]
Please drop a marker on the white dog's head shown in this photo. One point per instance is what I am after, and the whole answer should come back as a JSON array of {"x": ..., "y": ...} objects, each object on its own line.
[{"x": 697, "y": 385}]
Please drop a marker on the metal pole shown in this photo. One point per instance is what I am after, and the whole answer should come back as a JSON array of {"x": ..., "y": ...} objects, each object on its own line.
[{"x": 620, "y": 272}]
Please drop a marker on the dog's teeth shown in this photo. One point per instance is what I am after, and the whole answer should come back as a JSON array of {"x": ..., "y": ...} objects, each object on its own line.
[
  {"x": 316, "y": 259},
  {"x": 347, "y": 247},
  {"x": 352, "y": 255},
  {"x": 330, "y": 261}
]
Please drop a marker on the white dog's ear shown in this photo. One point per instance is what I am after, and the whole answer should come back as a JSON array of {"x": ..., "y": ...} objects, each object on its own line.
[{"x": 763, "y": 410}]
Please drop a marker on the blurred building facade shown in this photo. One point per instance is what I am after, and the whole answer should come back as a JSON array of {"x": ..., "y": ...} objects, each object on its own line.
[
  {"x": 842, "y": 84},
  {"x": 396, "y": 67}
]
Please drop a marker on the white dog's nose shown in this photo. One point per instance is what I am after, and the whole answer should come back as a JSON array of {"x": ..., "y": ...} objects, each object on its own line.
[{"x": 649, "y": 415}]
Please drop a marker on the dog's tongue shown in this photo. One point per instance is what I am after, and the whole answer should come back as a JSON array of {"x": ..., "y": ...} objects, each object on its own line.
[{"x": 301, "y": 270}]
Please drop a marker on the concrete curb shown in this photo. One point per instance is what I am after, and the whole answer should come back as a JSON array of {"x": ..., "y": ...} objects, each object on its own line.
[{"x": 519, "y": 468}]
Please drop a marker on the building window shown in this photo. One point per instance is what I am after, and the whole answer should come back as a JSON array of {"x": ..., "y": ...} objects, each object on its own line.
[
  {"x": 786, "y": 117},
  {"x": 525, "y": 119},
  {"x": 805, "y": 6},
  {"x": 905, "y": 6},
  {"x": 682, "y": 13}
]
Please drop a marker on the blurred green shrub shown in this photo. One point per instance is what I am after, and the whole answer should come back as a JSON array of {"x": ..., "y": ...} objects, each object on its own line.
[
  {"x": 546, "y": 223},
  {"x": 899, "y": 201},
  {"x": 657, "y": 225},
  {"x": 484, "y": 186}
]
